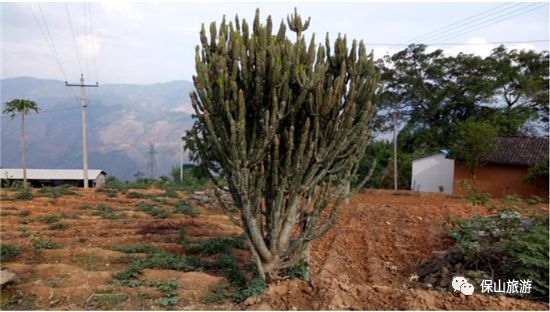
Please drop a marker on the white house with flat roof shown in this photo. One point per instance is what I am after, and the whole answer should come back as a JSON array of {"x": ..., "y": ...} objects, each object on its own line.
[{"x": 433, "y": 172}]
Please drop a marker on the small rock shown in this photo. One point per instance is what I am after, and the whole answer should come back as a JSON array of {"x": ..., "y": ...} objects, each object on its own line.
[
  {"x": 6, "y": 277},
  {"x": 419, "y": 218},
  {"x": 388, "y": 223},
  {"x": 429, "y": 285}
]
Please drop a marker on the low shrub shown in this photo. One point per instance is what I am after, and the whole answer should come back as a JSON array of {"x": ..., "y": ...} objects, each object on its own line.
[
  {"x": 151, "y": 210},
  {"x": 159, "y": 260},
  {"x": 56, "y": 191},
  {"x": 506, "y": 245},
  {"x": 137, "y": 248},
  {"x": 220, "y": 244},
  {"x": 58, "y": 226},
  {"x": 24, "y": 194},
  {"x": 24, "y": 213},
  {"x": 8, "y": 252},
  {"x": 49, "y": 218},
  {"x": 107, "y": 212},
  {"x": 184, "y": 208},
  {"x": 38, "y": 243}
]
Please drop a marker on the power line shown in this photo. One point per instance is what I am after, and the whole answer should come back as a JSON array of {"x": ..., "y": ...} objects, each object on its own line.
[
  {"x": 491, "y": 22},
  {"x": 456, "y": 43},
  {"x": 50, "y": 42},
  {"x": 86, "y": 39},
  {"x": 74, "y": 37},
  {"x": 466, "y": 20}
]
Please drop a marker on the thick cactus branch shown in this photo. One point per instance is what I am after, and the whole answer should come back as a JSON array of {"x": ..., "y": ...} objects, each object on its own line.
[{"x": 284, "y": 124}]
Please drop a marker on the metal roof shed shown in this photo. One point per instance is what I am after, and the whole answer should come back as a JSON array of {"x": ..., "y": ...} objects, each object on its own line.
[{"x": 40, "y": 177}]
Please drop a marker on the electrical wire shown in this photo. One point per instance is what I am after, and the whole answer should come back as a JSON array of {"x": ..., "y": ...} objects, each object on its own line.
[
  {"x": 73, "y": 35},
  {"x": 491, "y": 22},
  {"x": 51, "y": 44},
  {"x": 455, "y": 43},
  {"x": 462, "y": 22}
]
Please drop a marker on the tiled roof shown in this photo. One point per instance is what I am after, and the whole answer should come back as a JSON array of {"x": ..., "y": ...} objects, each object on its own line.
[{"x": 519, "y": 150}]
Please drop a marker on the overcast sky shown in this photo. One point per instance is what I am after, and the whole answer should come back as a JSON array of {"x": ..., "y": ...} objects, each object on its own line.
[{"x": 155, "y": 42}]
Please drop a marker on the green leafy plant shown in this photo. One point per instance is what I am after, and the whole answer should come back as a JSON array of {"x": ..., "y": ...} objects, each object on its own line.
[
  {"x": 55, "y": 192},
  {"x": 38, "y": 243},
  {"x": 505, "y": 245},
  {"x": 8, "y": 252},
  {"x": 58, "y": 226},
  {"x": 137, "y": 248},
  {"x": 49, "y": 218},
  {"x": 185, "y": 208},
  {"x": 107, "y": 212},
  {"x": 24, "y": 194},
  {"x": 150, "y": 209},
  {"x": 220, "y": 244}
]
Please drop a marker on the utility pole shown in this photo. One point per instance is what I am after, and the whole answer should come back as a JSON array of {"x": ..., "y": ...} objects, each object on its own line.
[
  {"x": 181, "y": 156},
  {"x": 152, "y": 160},
  {"x": 394, "y": 150},
  {"x": 83, "y": 110}
]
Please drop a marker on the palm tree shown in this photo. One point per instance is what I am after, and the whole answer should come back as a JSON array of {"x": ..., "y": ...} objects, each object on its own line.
[{"x": 23, "y": 107}]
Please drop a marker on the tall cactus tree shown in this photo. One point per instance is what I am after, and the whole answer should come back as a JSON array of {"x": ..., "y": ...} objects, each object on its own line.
[{"x": 284, "y": 124}]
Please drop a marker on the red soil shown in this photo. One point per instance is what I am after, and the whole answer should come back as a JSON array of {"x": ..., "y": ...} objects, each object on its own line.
[{"x": 362, "y": 263}]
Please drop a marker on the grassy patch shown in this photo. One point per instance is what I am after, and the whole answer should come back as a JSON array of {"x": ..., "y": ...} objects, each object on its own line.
[
  {"x": 167, "y": 288},
  {"x": 24, "y": 213},
  {"x": 152, "y": 210},
  {"x": 56, "y": 191},
  {"x": 24, "y": 194},
  {"x": 220, "y": 244},
  {"x": 184, "y": 208},
  {"x": 8, "y": 252},
  {"x": 137, "y": 248},
  {"x": 107, "y": 301},
  {"x": 58, "y": 226},
  {"x": 84, "y": 207},
  {"x": 49, "y": 218},
  {"x": 38, "y": 243},
  {"x": 140, "y": 195},
  {"x": 158, "y": 260},
  {"x": 107, "y": 212}
]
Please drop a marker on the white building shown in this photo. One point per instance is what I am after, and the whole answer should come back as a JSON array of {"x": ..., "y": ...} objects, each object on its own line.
[
  {"x": 433, "y": 173},
  {"x": 53, "y": 177}
]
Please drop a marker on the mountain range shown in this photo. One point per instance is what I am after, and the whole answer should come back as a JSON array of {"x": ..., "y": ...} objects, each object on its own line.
[{"x": 122, "y": 121}]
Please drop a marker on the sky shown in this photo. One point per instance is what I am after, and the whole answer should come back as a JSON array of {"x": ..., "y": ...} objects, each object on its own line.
[{"x": 116, "y": 42}]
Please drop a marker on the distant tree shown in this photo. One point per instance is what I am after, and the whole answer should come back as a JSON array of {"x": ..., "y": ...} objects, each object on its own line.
[
  {"x": 472, "y": 143},
  {"x": 539, "y": 172},
  {"x": 522, "y": 79},
  {"x": 22, "y": 107},
  {"x": 430, "y": 92},
  {"x": 285, "y": 124}
]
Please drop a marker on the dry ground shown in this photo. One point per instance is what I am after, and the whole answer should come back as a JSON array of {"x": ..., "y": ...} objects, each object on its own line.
[{"x": 362, "y": 263}]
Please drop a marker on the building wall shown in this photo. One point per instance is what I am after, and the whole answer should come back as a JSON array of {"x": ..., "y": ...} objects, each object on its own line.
[
  {"x": 500, "y": 180},
  {"x": 433, "y": 173},
  {"x": 100, "y": 181}
]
